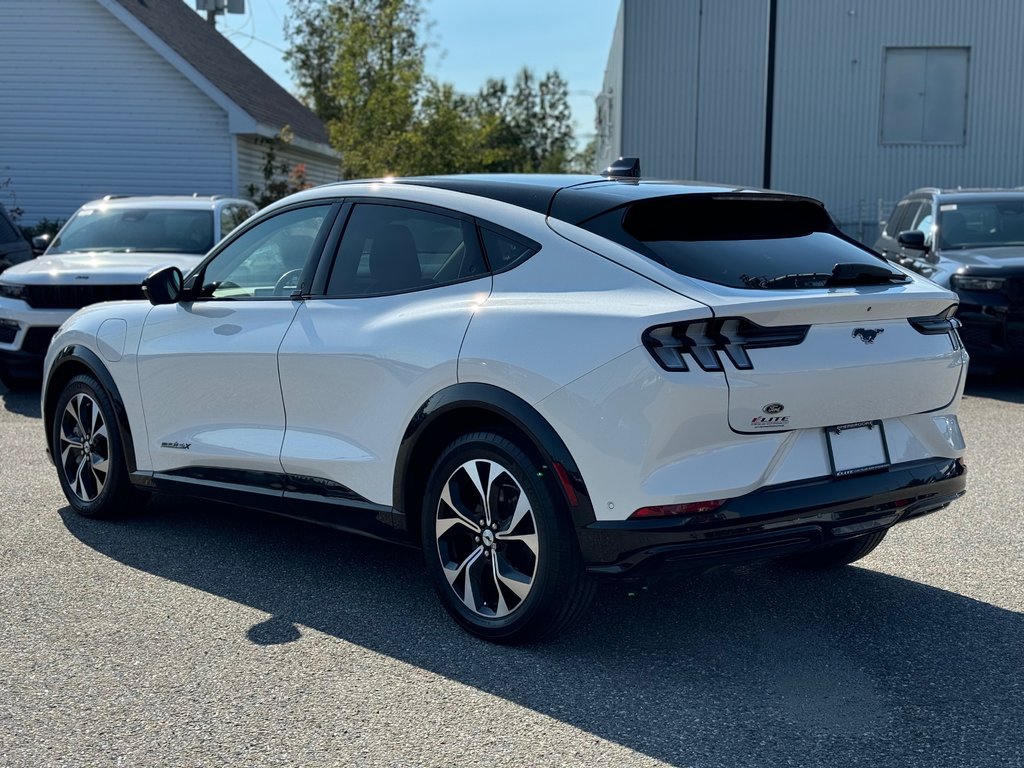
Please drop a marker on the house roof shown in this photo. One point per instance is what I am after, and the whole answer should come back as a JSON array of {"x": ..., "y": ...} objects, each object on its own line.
[{"x": 225, "y": 67}]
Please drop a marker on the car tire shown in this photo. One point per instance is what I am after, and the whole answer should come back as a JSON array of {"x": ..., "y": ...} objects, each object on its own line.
[
  {"x": 835, "y": 555},
  {"x": 499, "y": 542},
  {"x": 89, "y": 453}
]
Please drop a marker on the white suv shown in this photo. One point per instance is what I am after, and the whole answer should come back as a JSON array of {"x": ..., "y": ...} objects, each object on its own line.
[
  {"x": 538, "y": 379},
  {"x": 103, "y": 253}
]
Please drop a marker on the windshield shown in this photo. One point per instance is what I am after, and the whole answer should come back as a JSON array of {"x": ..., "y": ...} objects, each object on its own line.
[
  {"x": 126, "y": 230},
  {"x": 981, "y": 224}
]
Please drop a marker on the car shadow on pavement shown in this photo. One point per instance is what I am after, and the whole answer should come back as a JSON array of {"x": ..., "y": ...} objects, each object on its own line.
[
  {"x": 832, "y": 667},
  {"x": 25, "y": 403}
]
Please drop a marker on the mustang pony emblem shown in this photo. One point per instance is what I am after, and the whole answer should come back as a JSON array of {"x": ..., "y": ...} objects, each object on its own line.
[{"x": 867, "y": 335}]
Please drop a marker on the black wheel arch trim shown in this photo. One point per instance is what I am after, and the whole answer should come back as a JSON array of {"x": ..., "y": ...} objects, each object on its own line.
[
  {"x": 77, "y": 354},
  {"x": 513, "y": 409}
]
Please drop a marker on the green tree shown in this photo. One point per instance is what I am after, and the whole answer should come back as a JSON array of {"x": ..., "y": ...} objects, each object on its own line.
[
  {"x": 528, "y": 128},
  {"x": 360, "y": 65},
  {"x": 585, "y": 161}
]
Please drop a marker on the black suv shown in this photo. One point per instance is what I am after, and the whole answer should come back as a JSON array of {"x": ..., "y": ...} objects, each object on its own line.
[
  {"x": 14, "y": 248},
  {"x": 972, "y": 241}
]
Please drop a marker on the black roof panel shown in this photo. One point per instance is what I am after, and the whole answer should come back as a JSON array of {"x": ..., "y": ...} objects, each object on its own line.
[{"x": 571, "y": 198}]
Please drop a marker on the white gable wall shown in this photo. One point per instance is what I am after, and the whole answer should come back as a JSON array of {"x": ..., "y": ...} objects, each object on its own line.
[
  {"x": 252, "y": 156},
  {"x": 88, "y": 109}
]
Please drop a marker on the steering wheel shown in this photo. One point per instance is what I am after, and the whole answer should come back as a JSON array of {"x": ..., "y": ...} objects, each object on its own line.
[{"x": 285, "y": 281}]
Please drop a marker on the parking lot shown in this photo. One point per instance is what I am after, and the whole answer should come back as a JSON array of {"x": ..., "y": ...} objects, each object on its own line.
[{"x": 199, "y": 634}]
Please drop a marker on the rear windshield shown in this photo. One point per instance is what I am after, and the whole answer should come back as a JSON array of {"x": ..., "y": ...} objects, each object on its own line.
[{"x": 738, "y": 241}]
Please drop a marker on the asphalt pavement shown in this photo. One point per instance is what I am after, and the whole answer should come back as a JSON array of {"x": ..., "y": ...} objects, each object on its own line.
[{"x": 199, "y": 634}]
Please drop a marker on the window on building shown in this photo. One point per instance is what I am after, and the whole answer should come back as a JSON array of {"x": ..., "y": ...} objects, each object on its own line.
[{"x": 924, "y": 96}]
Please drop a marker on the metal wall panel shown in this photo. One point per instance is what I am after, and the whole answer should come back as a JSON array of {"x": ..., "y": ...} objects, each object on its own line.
[
  {"x": 89, "y": 109},
  {"x": 609, "y": 101},
  {"x": 659, "y": 97},
  {"x": 730, "y": 119},
  {"x": 828, "y": 95},
  {"x": 829, "y": 99}
]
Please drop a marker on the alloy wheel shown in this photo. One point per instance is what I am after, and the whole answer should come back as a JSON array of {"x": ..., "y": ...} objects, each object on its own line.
[
  {"x": 84, "y": 447},
  {"x": 486, "y": 536}
]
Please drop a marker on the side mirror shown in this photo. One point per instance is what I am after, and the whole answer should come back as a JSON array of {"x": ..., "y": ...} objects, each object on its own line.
[
  {"x": 164, "y": 286},
  {"x": 40, "y": 243},
  {"x": 912, "y": 239}
]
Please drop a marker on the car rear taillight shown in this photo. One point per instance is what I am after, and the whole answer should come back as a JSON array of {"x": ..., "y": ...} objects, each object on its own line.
[
  {"x": 706, "y": 340},
  {"x": 936, "y": 325},
  {"x": 679, "y": 510}
]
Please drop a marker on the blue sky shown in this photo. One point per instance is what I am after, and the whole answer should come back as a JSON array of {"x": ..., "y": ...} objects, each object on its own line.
[{"x": 471, "y": 40}]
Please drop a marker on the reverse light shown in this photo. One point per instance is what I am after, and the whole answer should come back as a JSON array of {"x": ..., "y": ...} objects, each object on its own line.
[
  {"x": 706, "y": 340},
  {"x": 965, "y": 283},
  {"x": 678, "y": 510}
]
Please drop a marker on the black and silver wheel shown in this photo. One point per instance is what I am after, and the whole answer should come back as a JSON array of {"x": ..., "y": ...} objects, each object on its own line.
[
  {"x": 88, "y": 452},
  {"x": 838, "y": 554},
  {"x": 500, "y": 544}
]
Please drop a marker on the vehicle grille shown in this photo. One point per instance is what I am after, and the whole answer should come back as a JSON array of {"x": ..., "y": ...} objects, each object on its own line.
[
  {"x": 7, "y": 333},
  {"x": 1015, "y": 331},
  {"x": 37, "y": 340},
  {"x": 77, "y": 296},
  {"x": 1015, "y": 292},
  {"x": 977, "y": 336}
]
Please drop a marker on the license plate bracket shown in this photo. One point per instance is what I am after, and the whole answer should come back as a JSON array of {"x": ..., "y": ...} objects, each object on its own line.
[{"x": 857, "y": 448}]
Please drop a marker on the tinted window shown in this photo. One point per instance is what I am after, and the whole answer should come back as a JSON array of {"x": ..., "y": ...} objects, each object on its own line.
[
  {"x": 505, "y": 250},
  {"x": 980, "y": 224},
  {"x": 267, "y": 260},
  {"x": 738, "y": 242},
  {"x": 387, "y": 249},
  {"x": 903, "y": 217},
  {"x": 233, "y": 215}
]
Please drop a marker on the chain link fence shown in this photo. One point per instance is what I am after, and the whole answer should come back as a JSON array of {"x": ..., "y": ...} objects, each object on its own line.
[{"x": 865, "y": 220}]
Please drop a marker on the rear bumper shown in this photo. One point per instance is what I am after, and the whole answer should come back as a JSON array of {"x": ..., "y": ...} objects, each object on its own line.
[{"x": 774, "y": 521}]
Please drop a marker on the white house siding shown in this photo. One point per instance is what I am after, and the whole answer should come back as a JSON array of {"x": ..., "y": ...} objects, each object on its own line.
[
  {"x": 88, "y": 109},
  {"x": 693, "y": 75},
  {"x": 252, "y": 156}
]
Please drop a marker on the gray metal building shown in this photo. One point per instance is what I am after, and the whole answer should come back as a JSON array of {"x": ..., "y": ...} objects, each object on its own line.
[{"x": 872, "y": 98}]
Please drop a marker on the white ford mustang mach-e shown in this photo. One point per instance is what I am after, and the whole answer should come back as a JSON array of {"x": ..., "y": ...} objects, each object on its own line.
[{"x": 538, "y": 379}]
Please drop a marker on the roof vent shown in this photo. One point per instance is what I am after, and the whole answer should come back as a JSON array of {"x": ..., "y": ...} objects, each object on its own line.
[{"x": 623, "y": 168}]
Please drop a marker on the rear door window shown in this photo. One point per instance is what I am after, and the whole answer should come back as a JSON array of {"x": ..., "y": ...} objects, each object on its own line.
[
  {"x": 391, "y": 249},
  {"x": 741, "y": 241}
]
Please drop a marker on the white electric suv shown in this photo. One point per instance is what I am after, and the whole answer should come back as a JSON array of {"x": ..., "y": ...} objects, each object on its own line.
[
  {"x": 103, "y": 253},
  {"x": 538, "y": 379}
]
